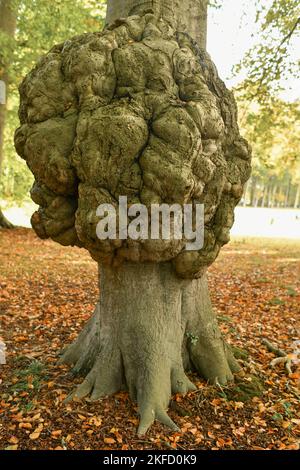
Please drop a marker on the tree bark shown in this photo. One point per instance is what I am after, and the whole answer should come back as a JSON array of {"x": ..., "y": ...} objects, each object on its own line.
[
  {"x": 187, "y": 15},
  {"x": 147, "y": 330},
  {"x": 8, "y": 27},
  {"x": 150, "y": 327}
]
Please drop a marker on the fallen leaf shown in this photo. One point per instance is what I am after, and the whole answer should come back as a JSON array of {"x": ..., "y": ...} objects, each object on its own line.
[
  {"x": 109, "y": 440},
  {"x": 13, "y": 440}
]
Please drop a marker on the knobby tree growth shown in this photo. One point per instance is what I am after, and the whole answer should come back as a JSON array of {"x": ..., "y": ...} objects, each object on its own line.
[{"x": 138, "y": 110}]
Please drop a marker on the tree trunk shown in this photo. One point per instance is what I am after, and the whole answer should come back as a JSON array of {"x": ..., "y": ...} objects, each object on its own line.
[
  {"x": 187, "y": 15},
  {"x": 263, "y": 200},
  {"x": 147, "y": 330},
  {"x": 287, "y": 193},
  {"x": 8, "y": 27},
  {"x": 274, "y": 194},
  {"x": 150, "y": 327},
  {"x": 245, "y": 195}
]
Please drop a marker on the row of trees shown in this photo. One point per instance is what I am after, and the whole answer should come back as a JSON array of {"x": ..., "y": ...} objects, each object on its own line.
[
  {"x": 28, "y": 29},
  {"x": 274, "y": 134},
  {"x": 272, "y": 125},
  {"x": 272, "y": 192}
]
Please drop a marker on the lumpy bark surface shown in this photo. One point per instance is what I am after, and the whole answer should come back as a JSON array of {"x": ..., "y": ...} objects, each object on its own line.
[{"x": 137, "y": 110}]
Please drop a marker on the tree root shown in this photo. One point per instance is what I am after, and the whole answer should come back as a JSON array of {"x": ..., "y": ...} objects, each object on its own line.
[{"x": 282, "y": 357}]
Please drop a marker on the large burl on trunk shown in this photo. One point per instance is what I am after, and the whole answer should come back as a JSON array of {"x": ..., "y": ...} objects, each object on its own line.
[{"x": 138, "y": 110}]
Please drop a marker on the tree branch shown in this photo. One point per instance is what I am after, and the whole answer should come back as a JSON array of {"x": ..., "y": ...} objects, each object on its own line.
[{"x": 289, "y": 35}]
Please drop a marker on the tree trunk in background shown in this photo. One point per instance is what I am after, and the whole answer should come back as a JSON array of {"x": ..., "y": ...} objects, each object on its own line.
[
  {"x": 270, "y": 188},
  {"x": 281, "y": 195},
  {"x": 8, "y": 27},
  {"x": 297, "y": 197},
  {"x": 253, "y": 191},
  {"x": 287, "y": 193},
  {"x": 264, "y": 195},
  {"x": 150, "y": 326},
  {"x": 273, "y": 198},
  {"x": 245, "y": 194}
]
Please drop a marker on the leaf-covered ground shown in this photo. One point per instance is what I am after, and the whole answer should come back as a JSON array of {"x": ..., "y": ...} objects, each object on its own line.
[{"x": 47, "y": 293}]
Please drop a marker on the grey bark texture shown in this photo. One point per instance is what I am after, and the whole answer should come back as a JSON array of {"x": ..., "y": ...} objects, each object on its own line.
[
  {"x": 188, "y": 15},
  {"x": 7, "y": 26},
  {"x": 138, "y": 111}
]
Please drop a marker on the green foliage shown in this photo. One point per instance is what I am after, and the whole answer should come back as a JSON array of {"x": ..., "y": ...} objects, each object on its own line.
[
  {"x": 16, "y": 179},
  {"x": 30, "y": 378},
  {"x": 273, "y": 131},
  {"x": 193, "y": 338},
  {"x": 271, "y": 60},
  {"x": 215, "y": 3},
  {"x": 40, "y": 25},
  {"x": 244, "y": 389}
]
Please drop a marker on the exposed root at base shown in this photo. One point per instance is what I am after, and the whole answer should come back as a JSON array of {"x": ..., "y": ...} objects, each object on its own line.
[
  {"x": 282, "y": 357},
  {"x": 153, "y": 395},
  {"x": 151, "y": 391},
  {"x": 148, "y": 329}
]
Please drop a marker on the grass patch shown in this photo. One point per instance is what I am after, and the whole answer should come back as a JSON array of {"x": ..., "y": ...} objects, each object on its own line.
[
  {"x": 240, "y": 353},
  {"x": 243, "y": 389},
  {"x": 276, "y": 301},
  {"x": 29, "y": 378}
]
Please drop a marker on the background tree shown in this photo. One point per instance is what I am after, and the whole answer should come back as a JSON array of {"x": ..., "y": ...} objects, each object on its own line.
[
  {"x": 269, "y": 122},
  {"x": 271, "y": 61},
  {"x": 28, "y": 28},
  {"x": 274, "y": 132},
  {"x": 7, "y": 33}
]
